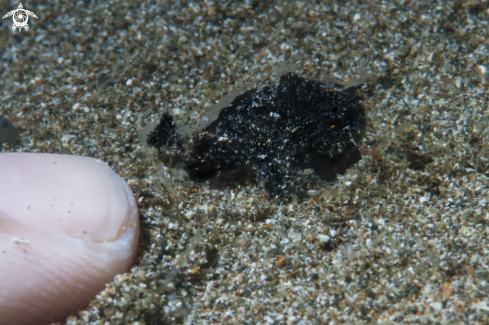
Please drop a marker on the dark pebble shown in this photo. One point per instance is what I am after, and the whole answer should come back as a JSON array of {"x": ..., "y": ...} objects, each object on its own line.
[{"x": 8, "y": 132}]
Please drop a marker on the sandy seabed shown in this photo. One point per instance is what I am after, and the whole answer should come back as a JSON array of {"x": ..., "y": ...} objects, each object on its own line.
[{"x": 402, "y": 237}]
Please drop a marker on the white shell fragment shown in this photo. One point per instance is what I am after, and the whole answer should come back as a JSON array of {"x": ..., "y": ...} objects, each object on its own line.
[{"x": 68, "y": 225}]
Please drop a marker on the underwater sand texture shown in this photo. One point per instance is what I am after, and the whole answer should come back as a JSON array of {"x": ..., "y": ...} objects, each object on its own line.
[{"x": 402, "y": 237}]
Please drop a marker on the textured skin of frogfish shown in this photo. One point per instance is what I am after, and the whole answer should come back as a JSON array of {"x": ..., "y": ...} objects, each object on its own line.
[{"x": 300, "y": 124}]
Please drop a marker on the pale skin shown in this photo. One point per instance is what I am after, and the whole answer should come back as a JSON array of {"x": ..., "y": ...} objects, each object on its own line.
[{"x": 68, "y": 225}]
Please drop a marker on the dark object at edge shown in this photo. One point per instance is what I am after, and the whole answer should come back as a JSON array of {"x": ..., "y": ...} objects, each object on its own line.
[{"x": 8, "y": 132}]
